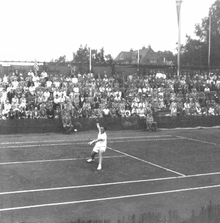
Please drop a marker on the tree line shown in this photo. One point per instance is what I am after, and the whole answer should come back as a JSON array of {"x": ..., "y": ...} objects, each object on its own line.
[{"x": 194, "y": 52}]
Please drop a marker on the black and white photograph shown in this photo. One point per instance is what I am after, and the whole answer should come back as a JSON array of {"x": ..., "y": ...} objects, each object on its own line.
[{"x": 110, "y": 111}]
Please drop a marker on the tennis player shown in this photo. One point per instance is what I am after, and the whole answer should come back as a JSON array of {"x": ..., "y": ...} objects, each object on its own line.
[{"x": 100, "y": 145}]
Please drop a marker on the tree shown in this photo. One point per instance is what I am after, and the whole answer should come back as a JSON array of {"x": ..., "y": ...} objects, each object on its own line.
[
  {"x": 81, "y": 55},
  {"x": 168, "y": 55},
  {"x": 61, "y": 59},
  {"x": 195, "y": 52}
]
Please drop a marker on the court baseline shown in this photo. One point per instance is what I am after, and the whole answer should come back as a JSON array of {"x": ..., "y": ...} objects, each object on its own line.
[
  {"x": 109, "y": 198},
  {"x": 108, "y": 184}
]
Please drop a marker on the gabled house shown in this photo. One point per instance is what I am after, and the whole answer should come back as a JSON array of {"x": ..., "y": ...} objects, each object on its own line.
[{"x": 146, "y": 57}]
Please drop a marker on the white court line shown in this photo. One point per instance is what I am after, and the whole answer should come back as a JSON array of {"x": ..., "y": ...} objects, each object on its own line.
[
  {"x": 153, "y": 164},
  {"x": 109, "y": 198},
  {"x": 108, "y": 184},
  {"x": 54, "y": 160},
  {"x": 197, "y": 140},
  {"x": 75, "y": 140},
  {"x": 82, "y": 143}
]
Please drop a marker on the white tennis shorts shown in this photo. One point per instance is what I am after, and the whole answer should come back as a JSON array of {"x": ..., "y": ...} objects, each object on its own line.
[{"x": 97, "y": 149}]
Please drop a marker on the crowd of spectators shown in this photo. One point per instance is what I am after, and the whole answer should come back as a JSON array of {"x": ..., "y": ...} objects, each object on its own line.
[{"x": 41, "y": 95}]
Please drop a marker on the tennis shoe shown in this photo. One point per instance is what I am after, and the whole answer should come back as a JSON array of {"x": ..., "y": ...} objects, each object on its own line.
[
  {"x": 90, "y": 160},
  {"x": 99, "y": 167}
]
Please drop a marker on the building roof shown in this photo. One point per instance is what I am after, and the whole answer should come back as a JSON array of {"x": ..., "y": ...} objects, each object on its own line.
[
  {"x": 124, "y": 56},
  {"x": 146, "y": 56}
]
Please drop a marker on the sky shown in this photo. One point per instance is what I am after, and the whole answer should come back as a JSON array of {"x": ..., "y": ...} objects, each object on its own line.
[{"x": 44, "y": 30}]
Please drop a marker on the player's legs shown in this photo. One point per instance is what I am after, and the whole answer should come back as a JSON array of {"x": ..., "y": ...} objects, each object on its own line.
[
  {"x": 69, "y": 128},
  {"x": 93, "y": 154},
  {"x": 150, "y": 126},
  {"x": 100, "y": 160},
  {"x": 101, "y": 151},
  {"x": 147, "y": 126}
]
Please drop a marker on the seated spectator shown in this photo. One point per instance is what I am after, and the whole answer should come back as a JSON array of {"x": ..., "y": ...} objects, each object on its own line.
[
  {"x": 117, "y": 98},
  {"x": 211, "y": 110},
  {"x": 217, "y": 109},
  {"x": 74, "y": 79},
  {"x": 35, "y": 79},
  {"x": 186, "y": 107},
  {"x": 10, "y": 94},
  {"x": 23, "y": 102},
  {"x": 2, "y": 117},
  {"x": 62, "y": 100},
  {"x": 173, "y": 109},
  {"x": 22, "y": 114},
  {"x": 32, "y": 89},
  {"x": 16, "y": 110},
  {"x": 31, "y": 74},
  {"x": 11, "y": 114},
  {"x": 15, "y": 101},
  {"x": 198, "y": 110},
  {"x": 141, "y": 112},
  {"x": 43, "y": 111},
  {"x": 57, "y": 113},
  {"x": 6, "y": 109},
  {"x": 56, "y": 102},
  {"x": 207, "y": 89},
  {"x": 35, "y": 113},
  {"x": 44, "y": 75},
  {"x": 134, "y": 111},
  {"x": 29, "y": 113},
  {"x": 66, "y": 121},
  {"x": 204, "y": 111},
  {"x": 5, "y": 79},
  {"x": 50, "y": 112},
  {"x": 106, "y": 112}
]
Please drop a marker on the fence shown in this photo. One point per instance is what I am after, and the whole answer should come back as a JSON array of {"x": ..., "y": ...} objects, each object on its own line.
[{"x": 22, "y": 126}]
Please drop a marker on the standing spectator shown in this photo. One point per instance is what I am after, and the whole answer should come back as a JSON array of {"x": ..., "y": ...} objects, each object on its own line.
[
  {"x": 149, "y": 121},
  {"x": 66, "y": 121}
]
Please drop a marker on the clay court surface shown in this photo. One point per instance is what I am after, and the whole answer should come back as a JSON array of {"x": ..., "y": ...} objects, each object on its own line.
[{"x": 45, "y": 177}]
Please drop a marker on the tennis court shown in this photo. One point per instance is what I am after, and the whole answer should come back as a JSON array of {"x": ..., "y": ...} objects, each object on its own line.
[{"x": 45, "y": 178}]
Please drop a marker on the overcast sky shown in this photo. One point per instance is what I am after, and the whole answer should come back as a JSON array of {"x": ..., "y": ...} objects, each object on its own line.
[{"x": 46, "y": 29}]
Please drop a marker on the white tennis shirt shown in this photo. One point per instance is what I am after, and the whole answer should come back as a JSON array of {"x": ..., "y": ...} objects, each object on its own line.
[{"x": 102, "y": 143}]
